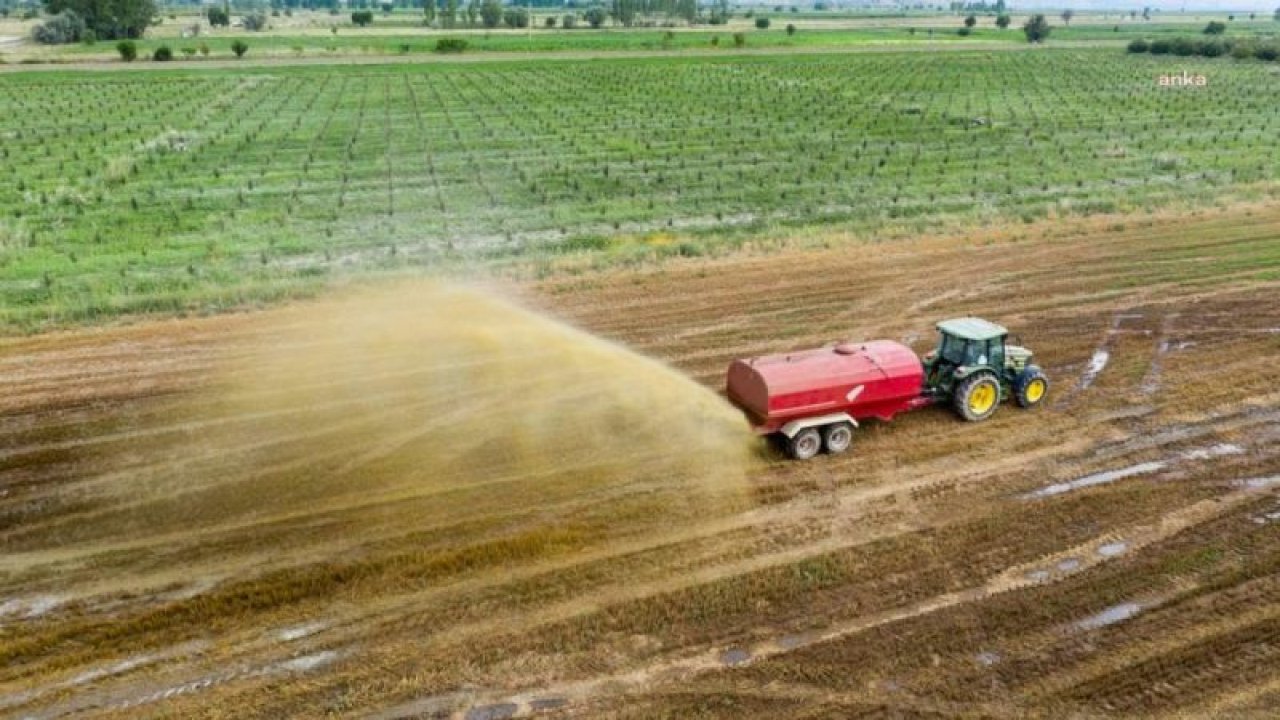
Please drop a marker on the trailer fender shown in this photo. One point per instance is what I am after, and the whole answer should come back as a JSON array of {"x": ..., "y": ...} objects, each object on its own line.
[{"x": 795, "y": 426}]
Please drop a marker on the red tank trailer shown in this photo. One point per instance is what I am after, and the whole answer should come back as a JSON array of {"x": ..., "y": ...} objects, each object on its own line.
[{"x": 815, "y": 398}]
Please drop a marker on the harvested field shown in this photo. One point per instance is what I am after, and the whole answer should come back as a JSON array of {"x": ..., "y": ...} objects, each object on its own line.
[{"x": 1112, "y": 554}]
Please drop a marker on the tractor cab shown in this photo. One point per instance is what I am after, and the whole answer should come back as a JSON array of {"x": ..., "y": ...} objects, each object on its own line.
[
  {"x": 969, "y": 343},
  {"x": 975, "y": 369}
]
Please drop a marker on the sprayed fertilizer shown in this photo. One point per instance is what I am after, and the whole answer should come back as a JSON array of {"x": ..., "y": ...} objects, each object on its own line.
[
  {"x": 422, "y": 418},
  {"x": 452, "y": 392}
]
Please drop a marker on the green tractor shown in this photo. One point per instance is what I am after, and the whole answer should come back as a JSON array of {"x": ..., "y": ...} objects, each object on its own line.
[{"x": 975, "y": 370}]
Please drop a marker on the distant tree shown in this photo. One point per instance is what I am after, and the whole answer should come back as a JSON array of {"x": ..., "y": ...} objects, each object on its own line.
[
  {"x": 254, "y": 22},
  {"x": 429, "y": 12},
  {"x": 516, "y": 17},
  {"x": 1146, "y": 13},
  {"x": 596, "y": 16},
  {"x": 472, "y": 12},
  {"x": 449, "y": 17},
  {"x": 970, "y": 21},
  {"x": 1037, "y": 29},
  {"x": 65, "y": 27},
  {"x": 218, "y": 16},
  {"x": 624, "y": 11},
  {"x": 739, "y": 39},
  {"x": 162, "y": 54},
  {"x": 108, "y": 19},
  {"x": 1002, "y": 21},
  {"x": 1215, "y": 28},
  {"x": 791, "y": 29},
  {"x": 362, "y": 18},
  {"x": 762, "y": 23},
  {"x": 491, "y": 13},
  {"x": 1139, "y": 46},
  {"x": 1067, "y": 15},
  {"x": 239, "y": 47},
  {"x": 387, "y": 8},
  {"x": 569, "y": 22},
  {"x": 549, "y": 22},
  {"x": 128, "y": 50},
  {"x": 688, "y": 10}
]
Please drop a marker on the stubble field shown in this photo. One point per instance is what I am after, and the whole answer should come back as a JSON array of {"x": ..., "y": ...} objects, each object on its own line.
[{"x": 171, "y": 548}]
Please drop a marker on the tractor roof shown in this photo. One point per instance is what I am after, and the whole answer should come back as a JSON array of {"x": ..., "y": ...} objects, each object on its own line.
[{"x": 972, "y": 328}]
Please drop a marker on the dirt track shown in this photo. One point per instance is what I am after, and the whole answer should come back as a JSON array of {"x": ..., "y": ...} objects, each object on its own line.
[
  {"x": 1114, "y": 554},
  {"x": 282, "y": 60}
]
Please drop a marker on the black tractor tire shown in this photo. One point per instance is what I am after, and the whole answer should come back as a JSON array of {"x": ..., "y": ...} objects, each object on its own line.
[
  {"x": 1031, "y": 387},
  {"x": 837, "y": 437},
  {"x": 977, "y": 397},
  {"x": 805, "y": 444}
]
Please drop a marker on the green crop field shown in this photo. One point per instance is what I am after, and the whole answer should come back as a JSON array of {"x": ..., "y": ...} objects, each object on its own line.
[
  {"x": 198, "y": 189},
  {"x": 404, "y": 34},
  {"x": 403, "y": 40}
]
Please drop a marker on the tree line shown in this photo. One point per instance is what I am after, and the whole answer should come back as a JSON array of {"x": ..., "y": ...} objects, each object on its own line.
[{"x": 88, "y": 20}]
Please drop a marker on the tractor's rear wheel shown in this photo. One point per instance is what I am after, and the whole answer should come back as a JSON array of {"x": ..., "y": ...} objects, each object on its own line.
[
  {"x": 978, "y": 397},
  {"x": 805, "y": 444},
  {"x": 1030, "y": 387},
  {"x": 837, "y": 437}
]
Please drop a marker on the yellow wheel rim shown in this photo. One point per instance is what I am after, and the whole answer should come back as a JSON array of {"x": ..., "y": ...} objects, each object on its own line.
[
  {"x": 1035, "y": 390},
  {"x": 982, "y": 399}
]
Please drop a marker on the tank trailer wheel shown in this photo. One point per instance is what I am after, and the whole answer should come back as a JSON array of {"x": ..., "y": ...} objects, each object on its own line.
[
  {"x": 837, "y": 437},
  {"x": 978, "y": 397},
  {"x": 1030, "y": 387},
  {"x": 805, "y": 444}
]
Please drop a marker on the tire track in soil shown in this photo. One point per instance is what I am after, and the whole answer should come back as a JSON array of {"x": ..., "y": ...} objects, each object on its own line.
[{"x": 689, "y": 665}]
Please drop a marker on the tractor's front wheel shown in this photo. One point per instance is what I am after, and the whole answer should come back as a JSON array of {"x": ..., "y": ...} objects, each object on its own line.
[
  {"x": 1030, "y": 387},
  {"x": 978, "y": 397},
  {"x": 805, "y": 444}
]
